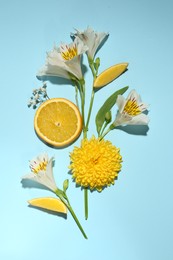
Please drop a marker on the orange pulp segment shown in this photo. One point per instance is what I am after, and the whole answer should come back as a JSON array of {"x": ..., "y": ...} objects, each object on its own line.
[
  {"x": 58, "y": 122},
  {"x": 49, "y": 203},
  {"x": 109, "y": 74}
]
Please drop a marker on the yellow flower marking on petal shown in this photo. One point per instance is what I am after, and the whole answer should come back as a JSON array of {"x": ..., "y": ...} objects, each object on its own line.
[
  {"x": 39, "y": 167},
  {"x": 132, "y": 108},
  {"x": 69, "y": 53}
]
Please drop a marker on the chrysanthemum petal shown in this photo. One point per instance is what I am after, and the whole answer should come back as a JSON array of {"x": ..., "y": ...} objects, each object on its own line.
[{"x": 95, "y": 164}]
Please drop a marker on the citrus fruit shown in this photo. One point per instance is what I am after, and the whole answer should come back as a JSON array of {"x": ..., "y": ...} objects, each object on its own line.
[
  {"x": 109, "y": 74},
  {"x": 58, "y": 122},
  {"x": 49, "y": 203}
]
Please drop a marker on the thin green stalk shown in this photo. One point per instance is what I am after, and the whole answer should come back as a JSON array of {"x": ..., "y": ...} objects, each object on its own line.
[
  {"x": 90, "y": 109},
  {"x": 76, "y": 95},
  {"x": 105, "y": 133},
  {"x": 76, "y": 220},
  {"x": 86, "y": 202},
  {"x": 103, "y": 128},
  {"x": 111, "y": 127},
  {"x": 94, "y": 73},
  {"x": 82, "y": 95},
  {"x": 63, "y": 197},
  {"x": 85, "y": 130}
]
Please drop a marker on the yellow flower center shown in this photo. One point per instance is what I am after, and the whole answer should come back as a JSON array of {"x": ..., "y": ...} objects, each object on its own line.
[
  {"x": 132, "y": 108},
  {"x": 69, "y": 53},
  {"x": 95, "y": 164},
  {"x": 39, "y": 167}
]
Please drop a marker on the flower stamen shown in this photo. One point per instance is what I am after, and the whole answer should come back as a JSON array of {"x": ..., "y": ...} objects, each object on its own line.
[
  {"x": 41, "y": 166},
  {"x": 132, "y": 108},
  {"x": 69, "y": 52}
]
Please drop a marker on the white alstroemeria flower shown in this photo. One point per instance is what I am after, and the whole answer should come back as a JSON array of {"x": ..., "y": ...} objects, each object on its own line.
[
  {"x": 92, "y": 39},
  {"x": 42, "y": 171},
  {"x": 131, "y": 110},
  {"x": 65, "y": 61}
]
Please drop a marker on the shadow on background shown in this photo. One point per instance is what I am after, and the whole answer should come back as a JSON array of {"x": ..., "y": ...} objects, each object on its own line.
[
  {"x": 134, "y": 129},
  {"x": 26, "y": 183},
  {"x": 55, "y": 80},
  {"x": 50, "y": 212}
]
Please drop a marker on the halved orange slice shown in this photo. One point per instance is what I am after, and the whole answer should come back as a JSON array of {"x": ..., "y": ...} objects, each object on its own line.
[
  {"x": 58, "y": 122},
  {"x": 49, "y": 203},
  {"x": 110, "y": 74}
]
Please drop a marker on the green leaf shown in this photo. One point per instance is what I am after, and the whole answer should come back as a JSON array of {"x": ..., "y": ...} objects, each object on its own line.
[{"x": 106, "y": 107}]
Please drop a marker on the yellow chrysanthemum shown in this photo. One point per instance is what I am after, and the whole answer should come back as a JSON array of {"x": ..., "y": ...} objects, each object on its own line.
[{"x": 95, "y": 164}]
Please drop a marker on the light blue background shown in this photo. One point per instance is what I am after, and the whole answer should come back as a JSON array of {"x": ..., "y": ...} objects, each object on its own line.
[{"x": 132, "y": 220}]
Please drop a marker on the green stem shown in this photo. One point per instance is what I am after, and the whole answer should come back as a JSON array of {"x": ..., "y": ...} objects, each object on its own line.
[
  {"x": 111, "y": 127},
  {"x": 94, "y": 73},
  {"x": 82, "y": 95},
  {"x": 90, "y": 109},
  {"x": 76, "y": 95},
  {"x": 76, "y": 220},
  {"x": 85, "y": 129},
  {"x": 86, "y": 202},
  {"x": 105, "y": 133},
  {"x": 102, "y": 130},
  {"x": 63, "y": 197}
]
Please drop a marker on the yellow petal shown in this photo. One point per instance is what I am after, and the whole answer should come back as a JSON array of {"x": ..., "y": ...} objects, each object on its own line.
[{"x": 110, "y": 74}]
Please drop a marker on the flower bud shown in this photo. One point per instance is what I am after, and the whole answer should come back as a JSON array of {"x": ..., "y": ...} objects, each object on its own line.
[{"x": 108, "y": 117}]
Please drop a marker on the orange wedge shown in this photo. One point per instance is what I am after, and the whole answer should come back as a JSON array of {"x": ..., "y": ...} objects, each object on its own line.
[
  {"x": 49, "y": 203},
  {"x": 110, "y": 74},
  {"x": 58, "y": 122}
]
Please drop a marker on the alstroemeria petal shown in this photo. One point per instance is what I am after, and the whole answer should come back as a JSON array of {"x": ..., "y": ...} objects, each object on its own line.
[
  {"x": 133, "y": 95},
  {"x": 122, "y": 119},
  {"x": 64, "y": 60},
  {"x": 92, "y": 39},
  {"x": 49, "y": 170},
  {"x": 141, "y": 119},
  {"x": 131, "y": 110},
  {"x": 120, "y": 102},
  {"x": 53, "y": 70},
  {"x": 42, "y": 172}
]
